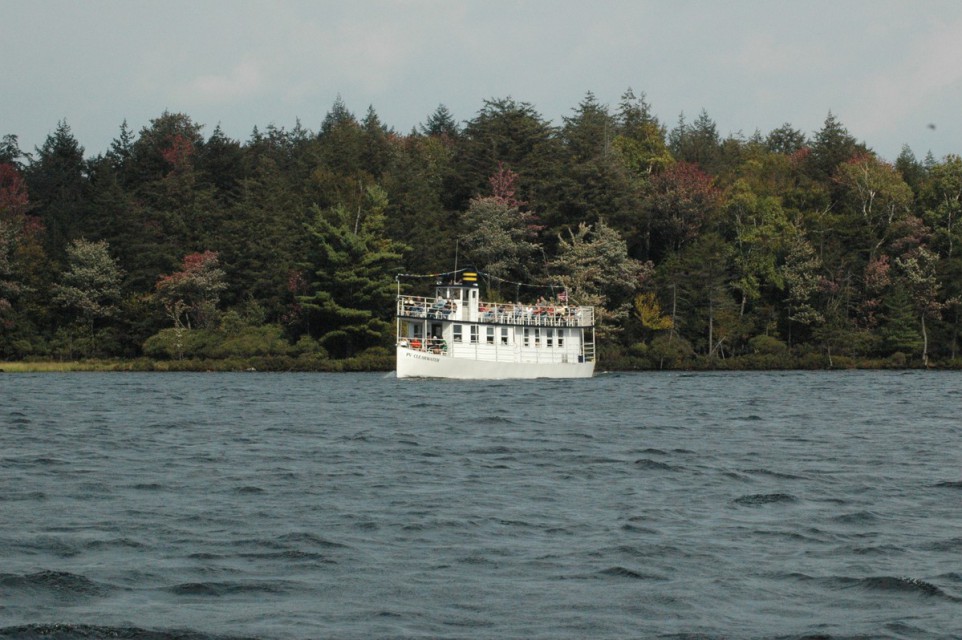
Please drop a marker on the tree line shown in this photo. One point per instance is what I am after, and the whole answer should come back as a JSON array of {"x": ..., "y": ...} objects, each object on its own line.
[{"x": 783, "y": 249}]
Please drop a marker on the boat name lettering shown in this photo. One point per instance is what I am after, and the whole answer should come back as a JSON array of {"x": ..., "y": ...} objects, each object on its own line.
[{"x": 420, "y": 356}]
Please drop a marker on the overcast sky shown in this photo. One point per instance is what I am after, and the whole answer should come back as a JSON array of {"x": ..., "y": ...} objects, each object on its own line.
[{"x": 889, "y": 70}]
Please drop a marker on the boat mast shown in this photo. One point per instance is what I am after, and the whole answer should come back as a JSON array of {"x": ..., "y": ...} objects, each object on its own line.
[{"x": 456, "y": 247}]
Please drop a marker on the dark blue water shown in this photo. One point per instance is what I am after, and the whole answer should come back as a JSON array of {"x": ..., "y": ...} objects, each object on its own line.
[{"x": 758, "y": 505}]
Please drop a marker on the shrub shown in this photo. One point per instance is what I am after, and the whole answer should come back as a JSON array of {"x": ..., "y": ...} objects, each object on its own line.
[
  {"x": 267, "y": 340},
  {"x": 768, "y": 345},
  {"x": 666, "y": 352}
]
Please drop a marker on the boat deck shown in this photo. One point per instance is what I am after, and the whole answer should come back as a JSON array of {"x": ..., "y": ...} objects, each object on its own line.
[{"x": 501, "y": 313}]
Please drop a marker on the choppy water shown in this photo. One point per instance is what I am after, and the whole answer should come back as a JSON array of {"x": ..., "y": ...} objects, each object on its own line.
[{"x": 754, "y": 505}]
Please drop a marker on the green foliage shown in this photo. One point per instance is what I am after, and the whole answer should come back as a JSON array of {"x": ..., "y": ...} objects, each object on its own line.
[
  {"x": 900, "y": 330},
  {"x": 218, "y": 344},
  {"x": 768, "y": 345},
  {"x": 496, "y": 237},
  {"x": 280, "y": 251},
  {"x": 594, "y": 266},
  {"x": 353, "y": 287},
  {"x": 91, "y": 284},
  {"x": 193, "y": 292},
  {"x": 668, "y": 352}
]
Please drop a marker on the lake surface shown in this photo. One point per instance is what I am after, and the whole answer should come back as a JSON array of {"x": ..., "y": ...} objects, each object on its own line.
[{"x": 734, "y": 505}]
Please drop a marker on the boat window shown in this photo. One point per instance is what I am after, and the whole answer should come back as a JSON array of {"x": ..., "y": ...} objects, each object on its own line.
[
  {"x": 474, "y": 334},
  {"x": 561, "y": 337},
  {"x": 504, "y": 335},
  {"x": 549, "y": 337},
  {"x": 457, "y": 333},
  {"x": 527, "y": 337},
  {"x": 489, "y": 335},
  {"x": 537, "y": 337}
]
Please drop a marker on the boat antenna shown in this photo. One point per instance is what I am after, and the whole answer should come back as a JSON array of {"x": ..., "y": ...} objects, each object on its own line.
[{"x": 456, "y": 246}]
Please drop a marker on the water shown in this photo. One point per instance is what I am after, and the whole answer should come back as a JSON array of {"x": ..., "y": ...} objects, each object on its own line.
[{"x": 757, "y": 505}]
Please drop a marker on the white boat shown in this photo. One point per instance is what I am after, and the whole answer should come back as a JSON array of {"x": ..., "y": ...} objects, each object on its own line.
[{"x": 455, "y": 334}]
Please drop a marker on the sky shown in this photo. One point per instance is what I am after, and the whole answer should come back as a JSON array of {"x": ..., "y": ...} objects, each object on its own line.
[{"x": 890, "y": 71}]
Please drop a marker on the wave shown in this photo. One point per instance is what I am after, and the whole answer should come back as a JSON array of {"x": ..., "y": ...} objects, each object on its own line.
[
  {"x": 948, "y": 484},
  {"x": 771, "y": 474},
  {"x": 18, "y": 417},
  {"x": 858, "y": 517},
  {"x": 148, "y": 486},
  {"x": 654, "y": 465},
  {"x": 248, "y": 489},
  {"x": 622, "y": 572},
  {"x": 948, "y": 544},
  {"x": 891, "y": 584},
  {"x": 303, "y": 537},
  {"x": 493, "y": 450},
  {"x": 219, "y": 589},
  {"x": 898, "y": 584},
  {"x": 60, "y": 583},
  {"x": 94, "y": 632},
  {"x": 26, "y": 496},
  {"x": 758, "y": 499},
  {"x": 112, "y": 543}
]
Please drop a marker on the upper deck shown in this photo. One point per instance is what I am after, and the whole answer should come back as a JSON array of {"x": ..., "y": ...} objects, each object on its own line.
[{"x": 453, "y": 309}]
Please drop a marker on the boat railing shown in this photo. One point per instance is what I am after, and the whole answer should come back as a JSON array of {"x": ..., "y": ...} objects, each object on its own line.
[{"x": 539, "y": 315}]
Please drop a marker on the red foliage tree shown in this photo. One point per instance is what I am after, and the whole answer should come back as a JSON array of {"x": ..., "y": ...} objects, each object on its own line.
[{"x": 680, "y": 201}]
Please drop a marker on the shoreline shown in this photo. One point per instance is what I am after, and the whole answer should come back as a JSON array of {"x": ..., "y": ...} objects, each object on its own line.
[{"x": 258, "y": 365}]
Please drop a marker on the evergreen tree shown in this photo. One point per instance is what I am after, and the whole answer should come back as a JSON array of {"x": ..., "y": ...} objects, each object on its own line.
[
  {"x": 57, "y": 182},
  {"x": 510, "y": 133},
  {"x": 697, "y": 143},
  {"x": 899, "y": 331},
  {"x": 786, "y": 140},
  {"x": 416, "y": 216},
  {"x": 832, "y": 146},
  {"x": 353, "y": 265},
  {"x": 640, "y": 142},
  {"x": 441, "y": 124}
]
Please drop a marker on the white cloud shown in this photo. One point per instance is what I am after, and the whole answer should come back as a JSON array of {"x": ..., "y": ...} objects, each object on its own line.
[{"x": 244, "y": 80}]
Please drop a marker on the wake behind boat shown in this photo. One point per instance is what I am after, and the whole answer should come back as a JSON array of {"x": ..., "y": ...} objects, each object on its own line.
[{"x": 455, "y": 334}]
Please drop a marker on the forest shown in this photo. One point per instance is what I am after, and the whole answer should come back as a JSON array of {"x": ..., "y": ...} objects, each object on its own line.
[{"x": 181, "y": 248}]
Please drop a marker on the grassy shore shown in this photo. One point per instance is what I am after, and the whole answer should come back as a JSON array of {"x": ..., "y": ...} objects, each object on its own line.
[
  {"x": 71, "y": 365},
  {"x": 383, "y": 363}
]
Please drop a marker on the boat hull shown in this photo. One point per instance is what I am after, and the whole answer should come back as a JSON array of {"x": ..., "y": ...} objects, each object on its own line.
[{"x": 420, "y": 364}]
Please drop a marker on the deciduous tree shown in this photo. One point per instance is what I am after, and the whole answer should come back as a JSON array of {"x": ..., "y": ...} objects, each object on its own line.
[
  {"x": 190, "y": 295},
  {"x": 90, "y": 286}
]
